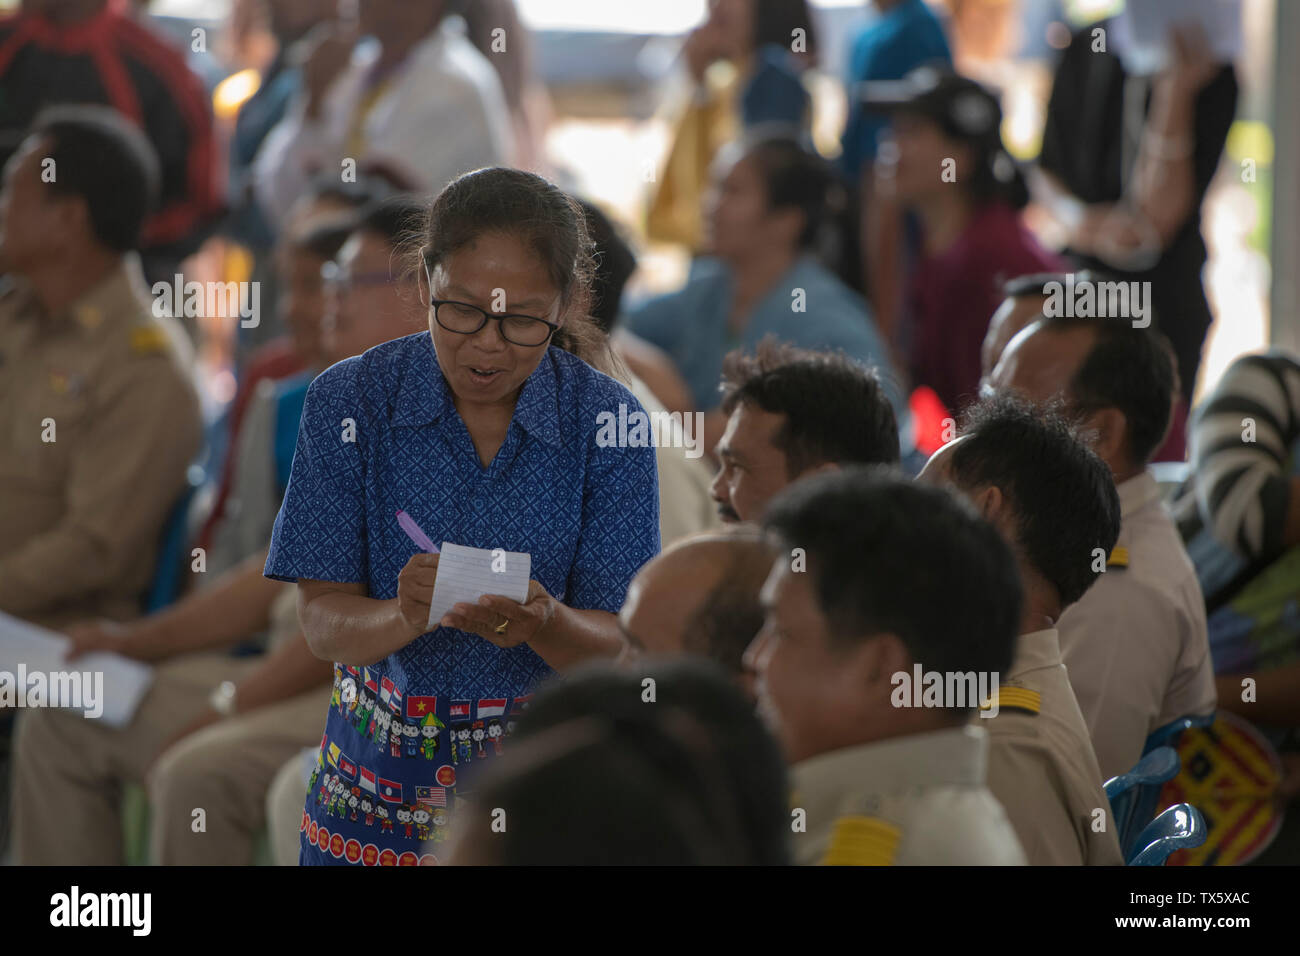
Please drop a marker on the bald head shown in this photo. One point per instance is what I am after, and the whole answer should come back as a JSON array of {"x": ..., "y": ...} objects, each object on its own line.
[
  {"x": 1040, "y": 362},
  {"x": 700, "y": 597}
]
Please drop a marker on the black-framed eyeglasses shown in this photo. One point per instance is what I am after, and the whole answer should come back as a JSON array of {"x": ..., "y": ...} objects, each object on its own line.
[{"x": 465, "y": 319}]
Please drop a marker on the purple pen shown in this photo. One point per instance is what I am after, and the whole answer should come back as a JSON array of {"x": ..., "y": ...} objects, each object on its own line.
[{"x": 415, "y": 534}]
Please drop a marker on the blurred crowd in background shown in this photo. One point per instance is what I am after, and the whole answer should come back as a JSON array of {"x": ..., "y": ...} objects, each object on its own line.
[{"x": 902, "y": 182}]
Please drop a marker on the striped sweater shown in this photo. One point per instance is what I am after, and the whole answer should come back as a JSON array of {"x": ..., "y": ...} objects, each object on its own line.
[{"x": 1245, "y": 439}]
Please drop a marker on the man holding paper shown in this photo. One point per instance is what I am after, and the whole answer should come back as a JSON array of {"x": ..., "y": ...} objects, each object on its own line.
[{"x": 483, "y": 429}]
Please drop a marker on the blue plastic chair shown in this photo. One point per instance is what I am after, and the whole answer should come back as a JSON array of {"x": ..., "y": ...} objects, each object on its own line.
[
  {"x": 1169, "y": 734},
  {"x": 1181, "y": 827},
  {"x": 166, "y": 584},
  {"x": 1133, "y": 796}
]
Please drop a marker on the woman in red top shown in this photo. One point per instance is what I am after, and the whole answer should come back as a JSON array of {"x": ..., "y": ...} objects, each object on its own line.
[{"x": 948, "y": 168}]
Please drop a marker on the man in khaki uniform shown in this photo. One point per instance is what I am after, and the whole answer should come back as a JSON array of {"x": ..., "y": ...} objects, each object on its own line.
[
  {"x": 98, "y": 416},
  {"x": 888, "y": 576},
  {"x": 1053, "y": 501},
  {"x": 1137, "y": 644},
  {"x": 1041, "y": 763},
  {"x": 192, "y": 746},
  {"x": 80, "y": 516}
]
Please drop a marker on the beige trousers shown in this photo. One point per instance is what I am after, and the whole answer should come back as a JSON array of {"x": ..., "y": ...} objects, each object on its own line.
[
  {"x": 284, "y": 804},
  {"x": 69, "y": 771},
  {"x": 226, "y": 770}
]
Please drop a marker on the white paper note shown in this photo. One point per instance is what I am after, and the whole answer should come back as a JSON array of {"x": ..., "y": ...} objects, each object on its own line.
[
  {"x": 466, "y": 574},
  {"x": 105, "y": 685}
]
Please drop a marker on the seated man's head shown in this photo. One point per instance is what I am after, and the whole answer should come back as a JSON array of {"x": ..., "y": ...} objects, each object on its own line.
[
  {"x": 1051, "y": 497},
  {"x": 770, "y": 192},
  {"x": 1022, "y": 304},
  {"x": 1116, "y": 380},
  {"x": 78, "y": 188},
  {"x": 596, "y": 774},
  {"x": 700, "y": 598},
  {"x": 299, "y": 259},
  {"x": 792, "y": 412},
  {"x": 875, "y": 574},
  {"x": 372, "y": 296}
]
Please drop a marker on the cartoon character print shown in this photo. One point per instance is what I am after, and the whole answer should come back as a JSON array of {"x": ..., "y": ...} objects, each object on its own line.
[
  {"x": 430, "y": 732},
  {"x": 347, "y": 696},
  {"x": 326, "y": 788},
  {"x": 404, "y": 819},
  {"x": 496, "y": 733},
  {"x": 441, "y": 819},
  {"x": 385, "y": 823},
  {"x": 361, "y": 716},
  {"x": 332, "y": 803},
  {"x": 460, "y": 743},
  {"x": 395, "y": 737},
  {"x": 368, "y": 808},
  {"x": 420, "y": 817},
  {"x": 412, "y": 734},
  {"x": 381, "y": 719},
  {"x": 354, "y": 801},
  {"x": 479, "y": 735},
  {"x": 341, "y": 799},
  {"x": 338, "y": 679}
]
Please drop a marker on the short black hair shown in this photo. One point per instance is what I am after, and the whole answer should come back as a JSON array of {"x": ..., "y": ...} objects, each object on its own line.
[
  {"x": 102, "y": 159},
  {"x": 398, "y": 220},
  {"x": 615, "y": 264},
  {"x": 835, "y": 409},
  {"x": 776, "y": 20},
  {"x": 794, "y": 176},
  {"x": 729, "y": 618},
  {"x": 1128, "y": 368},
  {"x": 598, "y": 776},
  {"x": 1062, "y": 495},
  {"x": 889, "y": 555},
  {"x": 323, "y": 240},
  {"x": 1035, "y": 283}
]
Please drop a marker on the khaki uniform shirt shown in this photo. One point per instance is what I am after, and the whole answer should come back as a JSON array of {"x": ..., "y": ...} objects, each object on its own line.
[
  {"x": 1041, "y": 764},
  {"x": 916, "y": 800},
  {"x": 99, "y": 421},
  {"x": 1136, "y": 643}
]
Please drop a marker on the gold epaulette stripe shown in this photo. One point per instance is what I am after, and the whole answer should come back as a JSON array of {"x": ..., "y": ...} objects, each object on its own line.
[
  {"x": 862, "y": 841},
  {"x": 147, "y": 339},
  {"x": 1017, "y": 698}
]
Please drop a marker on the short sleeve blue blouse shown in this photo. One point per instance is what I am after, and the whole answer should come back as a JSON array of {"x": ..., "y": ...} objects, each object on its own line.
[{"x": 405, "y": 737}]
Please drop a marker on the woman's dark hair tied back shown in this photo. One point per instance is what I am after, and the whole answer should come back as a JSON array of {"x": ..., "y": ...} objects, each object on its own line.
[{"x": 521, "y": 204}]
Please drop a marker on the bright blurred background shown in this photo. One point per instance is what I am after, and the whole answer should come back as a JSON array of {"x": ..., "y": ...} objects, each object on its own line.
[{"x": 607, "y": 67}]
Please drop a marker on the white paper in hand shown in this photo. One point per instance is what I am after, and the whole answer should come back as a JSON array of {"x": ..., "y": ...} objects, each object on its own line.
[
  {"x": 466, "y": 574},
  {"x": 108, "y": 686}
]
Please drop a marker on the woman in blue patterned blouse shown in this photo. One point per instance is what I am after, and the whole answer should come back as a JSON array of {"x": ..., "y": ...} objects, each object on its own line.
[{"x": 483, "y": 429}]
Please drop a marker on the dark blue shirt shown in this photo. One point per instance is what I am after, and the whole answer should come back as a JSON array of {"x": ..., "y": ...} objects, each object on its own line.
[
  {"x": 889, "y": 48},
  {"x": 409, "y": 733}
]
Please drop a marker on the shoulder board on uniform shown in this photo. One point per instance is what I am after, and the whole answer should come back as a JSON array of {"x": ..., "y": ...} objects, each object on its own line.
[
  {"x": 1015, "y": 698},
  {"x": 148, "y": 340},
  {"x": 1118, "y": 557},
  {"x": 862, "y": 841}
]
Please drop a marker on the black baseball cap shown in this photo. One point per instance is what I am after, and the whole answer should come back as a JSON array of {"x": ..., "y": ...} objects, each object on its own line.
[{"x": 962, "y": 108}]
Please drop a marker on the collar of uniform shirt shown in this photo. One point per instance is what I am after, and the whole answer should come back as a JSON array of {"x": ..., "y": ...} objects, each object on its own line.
[
  {"x": 103, "y": 302},
  {"x": 426, "y": 398},
  {"x": 1136, "y": 493},
  {"x": 955, "y": 757},
  {"x": 1034, "y": 651}
]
